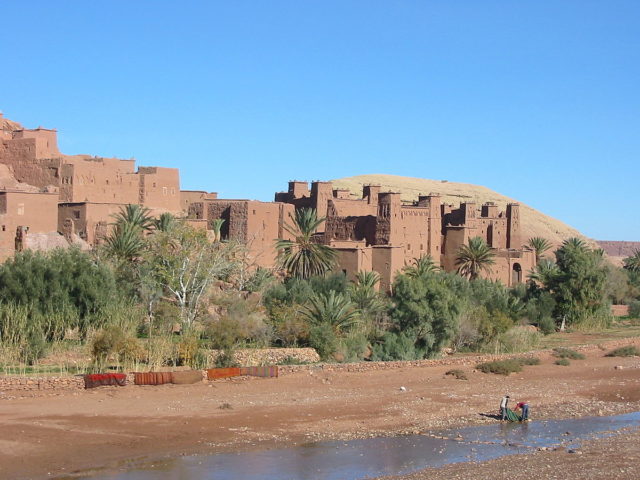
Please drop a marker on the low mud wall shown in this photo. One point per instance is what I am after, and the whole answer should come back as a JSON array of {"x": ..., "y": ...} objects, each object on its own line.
[
  {"x": 257, "y": 357},
  {"x": 10, "y": 383}
]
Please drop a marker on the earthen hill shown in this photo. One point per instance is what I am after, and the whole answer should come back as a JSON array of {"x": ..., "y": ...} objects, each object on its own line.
[{"x": 49, "y": 199}]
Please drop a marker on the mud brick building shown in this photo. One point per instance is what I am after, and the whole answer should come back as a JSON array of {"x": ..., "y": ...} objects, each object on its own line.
[
  {"x": 378, "y": 232},
  {"x": 48, "y": 199},
  {"x": 257, "y": 224},
  {"x": 88, "y": 190}
]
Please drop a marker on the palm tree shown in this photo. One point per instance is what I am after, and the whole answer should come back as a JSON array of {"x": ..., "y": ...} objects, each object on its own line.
[
  {"x": 575, "y": 242},
  {"x": 540, "y": 246},
  {"x": 632, "y": 263},
  {"x": 332, "y": 308},
  {"x": 125, "y": 242},
  {"x": 474, "y": 258},
  {"x": 135, "y": 215},
  {"x": 544, "y": 272},
  {"x": 367, "y": 279},
  {"x": 303, "y": 257},
  {"x": 364, "y": 295},
  {"x": 216, "y": 226},
  {"x": 421, "y": 267},
  {"x": 164, "y": 222}
]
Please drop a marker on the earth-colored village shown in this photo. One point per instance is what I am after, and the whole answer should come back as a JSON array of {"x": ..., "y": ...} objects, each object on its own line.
[{"x": 49, "y": 199}]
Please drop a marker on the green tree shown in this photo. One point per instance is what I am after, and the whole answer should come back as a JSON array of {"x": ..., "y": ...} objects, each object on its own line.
[
  {"x": 303, "y": 257},
  {"x": 579, "y": 286},
  {"x": 216, "y": 226},
  {"x": 369, "y": 302},
  {"x": 540, "y": 246},
  {"x": 334, "y": 309},
  {"x": 425, "y": 310},
  {"x": 135, "y": 215},
  {"x": 164, "y": 222},
  {"x": 125, "y": 243},
  {"x": 474, "y": 258},
  {"x": 421, "y": 266},
  {"x": 64, "y": 281},
  {"x": 184, "y": 263},
  {"x": 544, "y": 272}
]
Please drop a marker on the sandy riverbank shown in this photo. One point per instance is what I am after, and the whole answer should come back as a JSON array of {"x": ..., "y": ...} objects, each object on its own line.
[{"x": 47, "y": 436}]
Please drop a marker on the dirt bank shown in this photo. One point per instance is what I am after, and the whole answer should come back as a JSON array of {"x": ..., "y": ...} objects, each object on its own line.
[{"x": 54, "y": 435}]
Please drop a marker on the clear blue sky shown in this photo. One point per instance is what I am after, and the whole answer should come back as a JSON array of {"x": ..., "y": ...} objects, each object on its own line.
[{"x": 539, "y": 100}]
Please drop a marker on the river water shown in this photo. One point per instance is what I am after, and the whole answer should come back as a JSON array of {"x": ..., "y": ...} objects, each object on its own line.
[{"x": 369, "y": 458}]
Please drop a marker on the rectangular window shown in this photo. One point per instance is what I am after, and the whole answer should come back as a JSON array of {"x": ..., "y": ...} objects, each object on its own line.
[
  {"x": 21, "y": 209},
  {"x": 164, "y": 190},
  {"x": 76, "y": 214}
]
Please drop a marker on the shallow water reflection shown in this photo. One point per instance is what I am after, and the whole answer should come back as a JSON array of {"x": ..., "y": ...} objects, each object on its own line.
[{"x": 368, "y": 458}]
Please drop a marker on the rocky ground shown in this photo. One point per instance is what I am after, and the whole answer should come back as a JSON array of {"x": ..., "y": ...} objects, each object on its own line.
[
  {"x": 48, "y": 435},
  {"x": 613, "y": 458}
]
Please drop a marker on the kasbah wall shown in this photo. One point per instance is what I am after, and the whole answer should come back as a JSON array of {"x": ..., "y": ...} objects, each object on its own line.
[{"x": 49, "y": 199}]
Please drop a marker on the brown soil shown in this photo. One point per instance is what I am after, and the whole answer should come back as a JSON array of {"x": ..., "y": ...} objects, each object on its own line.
[{"x": 58, "y": 434}]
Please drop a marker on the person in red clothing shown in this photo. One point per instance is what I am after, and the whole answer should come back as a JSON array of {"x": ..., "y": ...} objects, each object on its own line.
[{"x": 524, "y": 408}]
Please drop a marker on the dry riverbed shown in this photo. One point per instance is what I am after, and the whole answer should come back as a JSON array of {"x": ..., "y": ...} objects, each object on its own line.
[{"x": 55, "y": 435}]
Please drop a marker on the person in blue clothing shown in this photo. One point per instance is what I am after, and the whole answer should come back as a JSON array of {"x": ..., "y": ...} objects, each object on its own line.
[{"x": 524, "y": 409}]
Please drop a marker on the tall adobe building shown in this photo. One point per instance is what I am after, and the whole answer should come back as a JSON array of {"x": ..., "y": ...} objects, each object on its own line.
[
  {"x": 378, "y": 232},
  {"x": 88, "y": 190}
]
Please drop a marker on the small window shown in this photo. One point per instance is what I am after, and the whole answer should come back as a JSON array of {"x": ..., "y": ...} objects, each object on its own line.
[
  {"x": 173, "y": 191},
  {"x": 164, "y": 190},
  {"x": 254, "y": 212},
  {"x": 4, "y": 228},
  {"x": 76, "y": 214},
  {"x": 21, "y": 209},
  {"x": 154, "y": 184}
]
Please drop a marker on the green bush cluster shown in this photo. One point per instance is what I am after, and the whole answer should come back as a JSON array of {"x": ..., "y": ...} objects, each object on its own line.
[
  {"x": 628, "y": 351},
  {"x": 500, "y": 367},
  {"x": 562, "y": 352}
]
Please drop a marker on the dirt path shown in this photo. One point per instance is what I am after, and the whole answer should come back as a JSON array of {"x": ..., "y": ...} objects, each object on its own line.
[{"x": 55, "y": 435}]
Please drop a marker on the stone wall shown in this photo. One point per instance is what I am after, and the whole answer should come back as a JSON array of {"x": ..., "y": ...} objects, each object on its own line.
[
  {"x": 249, "y": 357},
  {"x": 253, "y": 357}
]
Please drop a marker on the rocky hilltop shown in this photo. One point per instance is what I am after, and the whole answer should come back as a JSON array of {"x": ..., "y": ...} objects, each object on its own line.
[{"x": 534, "y": 222}]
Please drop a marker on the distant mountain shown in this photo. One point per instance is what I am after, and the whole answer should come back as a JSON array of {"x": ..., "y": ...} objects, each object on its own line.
[
  {"x": 618, "y": 251},
  {"x": 534, "y": 223}
]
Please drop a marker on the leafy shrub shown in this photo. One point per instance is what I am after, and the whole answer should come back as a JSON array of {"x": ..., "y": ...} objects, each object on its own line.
[
  {"x": 323, "y": 338},
  {"x": 457, "y": 373},
  {"x": 353, "y": 347},
  {"x": 518, "y": 339},
  {"x": 426, "y": 309},
  {"x": 396, "y": 346},
  {"x": 563, "y": 362},
  {"x": 628, "y": 351},
  {"x": 500, "y": 367},
  {"x": 62, "y": 278},
  {"x": 261, "y": 279},
  {"x": 292, "y": 361},
  {"x": 562, "y": 352},
  {"x": 527, "y": 360},
  {"x": 113, "y": 343},
  {"x": 547, "y": 325},
  {"x": 634, "y": 309}
]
